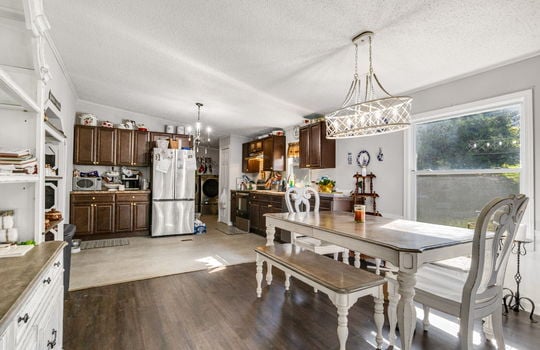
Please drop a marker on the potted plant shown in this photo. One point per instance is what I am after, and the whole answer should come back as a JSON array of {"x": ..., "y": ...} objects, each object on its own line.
[{"x": 326, "y": 185}]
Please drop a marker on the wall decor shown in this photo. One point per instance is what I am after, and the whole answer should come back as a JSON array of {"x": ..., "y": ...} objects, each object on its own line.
[
  {"x": 362, "y": 160},
  {"x": 349, "y": 158},
  {"x": 380, "y": 155}
]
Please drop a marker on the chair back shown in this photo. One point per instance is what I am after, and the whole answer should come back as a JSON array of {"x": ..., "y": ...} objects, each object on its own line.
[
  {"x": 301, "y": 195},
  {"x": 501, "y": 218}
]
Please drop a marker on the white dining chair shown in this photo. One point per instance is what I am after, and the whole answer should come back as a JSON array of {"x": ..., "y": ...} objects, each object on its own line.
[
  {"x": 301, "y": 196},
  {"x": 475, "y": 292}
]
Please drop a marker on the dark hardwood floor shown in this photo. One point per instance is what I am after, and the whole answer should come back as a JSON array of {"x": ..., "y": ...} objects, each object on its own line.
[{"x": 219, "y": 310}]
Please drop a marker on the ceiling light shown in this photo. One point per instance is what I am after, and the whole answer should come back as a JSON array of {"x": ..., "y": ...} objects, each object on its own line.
[
  {"x": 196, "y": 134},
  {"x": 372, "y": 115}
]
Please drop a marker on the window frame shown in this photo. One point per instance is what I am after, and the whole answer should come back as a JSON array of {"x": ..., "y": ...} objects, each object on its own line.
[{"x": 522, "y": 98}]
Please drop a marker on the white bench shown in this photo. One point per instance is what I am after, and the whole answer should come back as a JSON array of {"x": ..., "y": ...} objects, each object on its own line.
[{"x": 342, "y": 283}]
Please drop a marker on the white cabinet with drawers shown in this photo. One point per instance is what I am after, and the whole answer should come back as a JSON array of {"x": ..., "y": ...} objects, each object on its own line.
[{"x": 35, "y": 320}]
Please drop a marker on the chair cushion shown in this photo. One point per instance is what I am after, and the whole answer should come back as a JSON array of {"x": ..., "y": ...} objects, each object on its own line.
[{"x": 440, "y": 287}]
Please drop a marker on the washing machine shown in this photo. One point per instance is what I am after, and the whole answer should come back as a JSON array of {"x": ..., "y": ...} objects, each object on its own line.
[{"x": 209, "y": 188}]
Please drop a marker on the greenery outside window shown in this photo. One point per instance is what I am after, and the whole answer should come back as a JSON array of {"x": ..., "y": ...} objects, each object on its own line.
[{"x": 464, "y": 157}]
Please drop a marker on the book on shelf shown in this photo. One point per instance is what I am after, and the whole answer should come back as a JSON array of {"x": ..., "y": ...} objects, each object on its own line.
[{"x": 14, "y": 152}]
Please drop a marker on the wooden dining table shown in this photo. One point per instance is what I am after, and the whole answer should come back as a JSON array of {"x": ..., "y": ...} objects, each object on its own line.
[{"x": 403, "y": 243}]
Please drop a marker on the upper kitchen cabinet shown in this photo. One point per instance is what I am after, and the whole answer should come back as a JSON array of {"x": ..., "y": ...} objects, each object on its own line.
[
  {"x": 183, "y": 140},
  {"x": 270, "y": 151},
  {"x": 274, "y": 153},
  {"x": 316, "y": 151},
  {"x": 94, "y": 145},
  {"x": 132, "y": 148}
]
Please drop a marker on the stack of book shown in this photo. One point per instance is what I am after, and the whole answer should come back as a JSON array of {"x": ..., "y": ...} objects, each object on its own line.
[{"x": 17, "y": 161}]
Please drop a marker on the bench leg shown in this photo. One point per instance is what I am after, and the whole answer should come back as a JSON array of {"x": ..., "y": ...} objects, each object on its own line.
[
  {"x": 259, "y": 275},
  {"x": 287, "y": 281},
  {"x": 357, "y": 259},
  {"x": 426, "y": 317},
  {"x": 315, "y": 290},
  {"x": 268, "y": 273},
  {"x": 336, "y": 255},
  {"x": 342, "y": 303},
  {"x": 346, "y": 256},
  {"x": 378, "y": 316}
]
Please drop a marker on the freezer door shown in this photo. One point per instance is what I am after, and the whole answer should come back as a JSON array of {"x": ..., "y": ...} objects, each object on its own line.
[
  {"x": 163, "y": 174},
  {"x": 172, "y": 217},
  {"x": 185, "y": 175}
]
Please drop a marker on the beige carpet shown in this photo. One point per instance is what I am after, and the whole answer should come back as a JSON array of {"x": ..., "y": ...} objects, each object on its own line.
[{"x": 147, "y": 257}]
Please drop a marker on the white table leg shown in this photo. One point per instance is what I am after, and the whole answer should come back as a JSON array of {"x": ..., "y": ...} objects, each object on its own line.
[
  {"x": 268, "y": 273},
  {"x": 393, "y": 298},
  {"x": 406, "y": 309},
  {"x": 259, "y": 275},
  {"x": 346, "y": 256},
  {"x": 379, "y": 317},
  {"x": 287, "y": 281},
  {"x": 357, "y": 259},
  {"x": 270, "y": 233}
]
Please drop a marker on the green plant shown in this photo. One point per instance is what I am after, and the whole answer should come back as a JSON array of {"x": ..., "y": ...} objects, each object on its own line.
[{"x": 326, "y": 181}]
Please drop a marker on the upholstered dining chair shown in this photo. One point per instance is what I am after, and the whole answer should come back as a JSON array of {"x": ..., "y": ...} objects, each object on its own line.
[
  {"x": 300, "y": 197},
  {"x": 476, "y": 292}
]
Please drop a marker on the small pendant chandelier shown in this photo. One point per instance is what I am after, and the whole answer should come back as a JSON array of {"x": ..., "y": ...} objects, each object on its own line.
[
  {"x": 372, "y": 116},
  {"x": 195, "y": 135}
]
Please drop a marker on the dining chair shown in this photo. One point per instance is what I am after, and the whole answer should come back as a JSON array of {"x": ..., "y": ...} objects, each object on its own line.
[
  {"x": 301, "y": 197},
  {"x": 476, "y": 292}
]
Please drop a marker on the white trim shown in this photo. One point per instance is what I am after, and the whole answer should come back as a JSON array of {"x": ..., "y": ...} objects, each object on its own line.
[
  {"x": 61, "y": 64},
  {"x": 468, "y": 171},
  {"x": 524, "y": 98},
  {"x": 472, "y": 73}
]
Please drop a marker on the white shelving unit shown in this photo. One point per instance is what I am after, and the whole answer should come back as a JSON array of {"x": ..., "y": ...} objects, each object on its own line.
[{"x": 23, "y": 77}]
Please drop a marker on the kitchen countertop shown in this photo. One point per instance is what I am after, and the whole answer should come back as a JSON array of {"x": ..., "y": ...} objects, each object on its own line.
[
  {"x": 19, "y": 274},
  {"x": 279, "y": 193},
  {"x": 105, "y": 191}
]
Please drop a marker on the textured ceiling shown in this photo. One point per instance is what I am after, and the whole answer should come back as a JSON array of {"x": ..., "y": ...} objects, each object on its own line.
[{"x": 257, "y": 64}]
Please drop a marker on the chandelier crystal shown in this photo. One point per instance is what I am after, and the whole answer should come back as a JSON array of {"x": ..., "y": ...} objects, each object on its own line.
[
  {"x": 196, "y": 135},
  {"x": 370, "y": 116}
]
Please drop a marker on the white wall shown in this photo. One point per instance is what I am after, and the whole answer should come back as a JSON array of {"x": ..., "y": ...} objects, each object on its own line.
[{"x": 233, "y": 144}]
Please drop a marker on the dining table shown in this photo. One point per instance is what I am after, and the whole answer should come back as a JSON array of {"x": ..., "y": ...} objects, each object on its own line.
[{"x": 405, "y": 244}]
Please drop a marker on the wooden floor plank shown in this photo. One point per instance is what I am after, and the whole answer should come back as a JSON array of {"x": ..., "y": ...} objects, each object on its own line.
[{"x": 218, "y": 309}]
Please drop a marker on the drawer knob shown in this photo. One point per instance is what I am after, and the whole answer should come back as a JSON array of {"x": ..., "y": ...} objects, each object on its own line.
[
  {"x": 93, "y": 198},
  {"x": 48, "y": 280},
  {"x": 269, "y": 205},
  {"x": 57, "y": 264},
  {"x": 132, "y": 197},
  {"x": 24, "y": 318}
]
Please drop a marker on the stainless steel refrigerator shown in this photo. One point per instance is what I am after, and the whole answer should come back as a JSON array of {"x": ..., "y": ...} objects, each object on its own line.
[{"x": 173, "y": 192}]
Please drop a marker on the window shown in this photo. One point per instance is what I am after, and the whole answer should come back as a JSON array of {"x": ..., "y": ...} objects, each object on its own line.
[{"x": 463, "y": 157}]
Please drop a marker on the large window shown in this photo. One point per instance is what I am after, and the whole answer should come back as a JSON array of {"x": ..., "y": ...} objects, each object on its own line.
[{"x": 464, "y": 157}]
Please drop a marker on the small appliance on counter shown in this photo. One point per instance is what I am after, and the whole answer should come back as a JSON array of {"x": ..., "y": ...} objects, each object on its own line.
[
  {"x": 86, "y": 183},
  {"x": 131, "y": 182}
]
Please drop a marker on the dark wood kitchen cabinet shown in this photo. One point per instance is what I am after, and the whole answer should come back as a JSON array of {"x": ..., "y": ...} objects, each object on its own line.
[
  {"x": 132, "y": 148},
  {"x": 183, "y": 140},
  {"x": 316, "y": 151},
  {"x": 94, "y": 145},
  {"x": 270, "y": 151},
  {"x": 132, "y": 212},
  {"x": 92, "y": 213},
  {"x": 260, "y": 204},
  {"x": 108, "y": 214},
  {"x": 234, "y": 207},
  {"x": 249, "y": 164}
]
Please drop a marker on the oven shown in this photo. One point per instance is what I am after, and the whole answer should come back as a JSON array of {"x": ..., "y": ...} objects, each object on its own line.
[{"x": 242, "y": 209}]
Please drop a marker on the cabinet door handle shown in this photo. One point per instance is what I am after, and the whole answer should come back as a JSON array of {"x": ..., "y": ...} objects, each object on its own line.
[
  {"x": 93, "y": 198},
  {"x": 48, "y": 280},
  {"x": 52, "y": 344},
  {"x": 134, "y": 204},
  {"x": 57, "y": 264},
  {"x": 269, "y": 205}
]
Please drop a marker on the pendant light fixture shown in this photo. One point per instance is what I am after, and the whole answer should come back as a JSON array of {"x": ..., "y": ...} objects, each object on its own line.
[
  {"x": 195, "y": 135},
  {"x": 372, "y": 115}
]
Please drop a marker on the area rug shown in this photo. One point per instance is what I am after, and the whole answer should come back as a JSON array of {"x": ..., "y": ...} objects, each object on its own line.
[
  {"x": 104, "y": 243},
  {"x": 147, "y": 257}
]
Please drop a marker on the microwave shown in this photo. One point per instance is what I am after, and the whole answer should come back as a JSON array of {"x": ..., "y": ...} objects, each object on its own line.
[{"x": 86, "y": 183}]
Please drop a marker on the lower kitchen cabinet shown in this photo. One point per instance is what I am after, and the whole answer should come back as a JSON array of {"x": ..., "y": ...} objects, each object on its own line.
[
  {"x": 109, "y": 213},
  {"x": 132, "y": 212},
  {"x": 37, "y": 319}
]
